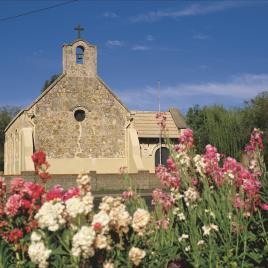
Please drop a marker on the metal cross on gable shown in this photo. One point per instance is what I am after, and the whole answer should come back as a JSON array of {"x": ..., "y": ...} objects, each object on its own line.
[{"x": 79, "y": 29}]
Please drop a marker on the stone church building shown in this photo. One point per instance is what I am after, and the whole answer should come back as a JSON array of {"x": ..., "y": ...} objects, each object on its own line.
[{"x": 83, "y": 126}]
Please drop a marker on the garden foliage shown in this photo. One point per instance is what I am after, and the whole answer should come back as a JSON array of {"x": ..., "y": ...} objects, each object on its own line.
[{"x": 211, "y": 212}]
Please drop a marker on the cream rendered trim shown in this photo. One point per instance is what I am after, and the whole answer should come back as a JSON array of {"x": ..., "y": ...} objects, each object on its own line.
[
  {"x": 26, "y": 150},
  {"x": 135, "y": 163},
  {"x": 85, "y": 165}
]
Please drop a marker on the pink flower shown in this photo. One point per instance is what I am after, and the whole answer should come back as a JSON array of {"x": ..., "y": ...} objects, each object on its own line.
[
  {"x": 161, "y": 120},
  {"x": 211, "y": 159},
  {"x": 164, "y": 223},
  {"x": 238, "y": 203},
  {"x": 13, "y": 204},
  {"x": 163, "y": 199},
  {"x": 55, "y": 193},
  {"x": 127, "y": 195},
  {"x": 167, "y": 178},
  {"x": 264, "y": 207},
  {"x": 194, "y": 182},
  {"x": 186, "y": 139},
  {"x": 17, "y": 185},
  {"x": 255, "y": 141},
  {"x": 171, "y": 165},
  {"x": 74, "y": 191}
]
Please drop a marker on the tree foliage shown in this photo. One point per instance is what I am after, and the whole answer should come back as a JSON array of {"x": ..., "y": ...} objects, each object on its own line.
[
  {"x": 49, "y": 82},
  {"x": 229, "y": 129}
]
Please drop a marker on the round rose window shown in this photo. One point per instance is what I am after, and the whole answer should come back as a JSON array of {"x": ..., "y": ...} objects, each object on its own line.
[{"x": 79, "y": 115}]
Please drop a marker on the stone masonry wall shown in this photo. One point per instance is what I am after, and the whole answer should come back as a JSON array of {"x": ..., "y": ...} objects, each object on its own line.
[
  {"x": 102, "y": 183},
  {"x": 101, "y": 134}
]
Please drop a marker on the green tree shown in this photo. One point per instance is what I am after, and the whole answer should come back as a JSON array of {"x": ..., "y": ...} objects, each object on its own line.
[
  {"x": 49, "y": 82},
  {"x": 217, "y": 126},
  {"x": 196, "y": 120},
  {"x": 229, "y": 129},
  {"x": 255, "y": 114}
]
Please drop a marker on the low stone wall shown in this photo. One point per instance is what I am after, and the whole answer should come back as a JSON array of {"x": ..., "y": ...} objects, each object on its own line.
[{"x": 145, "y": 182}]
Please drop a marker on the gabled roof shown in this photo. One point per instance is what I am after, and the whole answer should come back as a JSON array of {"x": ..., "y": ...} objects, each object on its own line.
[
  {"x": 146, "y": 124},
  {"x": 108, "y": 88}
]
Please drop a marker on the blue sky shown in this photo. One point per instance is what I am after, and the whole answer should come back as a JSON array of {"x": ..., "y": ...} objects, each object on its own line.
[{"x": 203, "y": 52}]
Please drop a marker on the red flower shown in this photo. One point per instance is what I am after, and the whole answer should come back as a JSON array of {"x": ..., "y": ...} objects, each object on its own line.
[
  {"x": 44, "y": 176},
  {"x": 15, "y": 235},
  {"x": 34, "y": 190},
  {"x": 74, "y": 191},
  {"x": 54, "y": 193},
  {"x": 39, "y": 158},
  {"x": 26, "y": 203},
  {"x": 97, "y": 226}
]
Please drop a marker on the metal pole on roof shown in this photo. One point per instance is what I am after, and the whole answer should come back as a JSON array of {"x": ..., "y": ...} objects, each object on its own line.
[{"x": 160, "y": 136}]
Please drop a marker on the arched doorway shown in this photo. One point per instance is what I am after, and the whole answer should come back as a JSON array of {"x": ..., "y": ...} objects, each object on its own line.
[{"x": 164, "y": 156}]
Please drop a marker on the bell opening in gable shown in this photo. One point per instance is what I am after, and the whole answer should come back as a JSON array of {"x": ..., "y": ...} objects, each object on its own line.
[{"x": 80, "y": 55}]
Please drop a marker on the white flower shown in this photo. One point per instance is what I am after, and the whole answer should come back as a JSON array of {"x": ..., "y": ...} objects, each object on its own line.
[
  {"x": 214, "y": 227},
  {"x": 50, "y": 216},
  {"x": 141, "y": 218},
  {"x": 136, "y": 255},
  {"x": 83, "y": 179},
  {"x": 74, "y": 207},
  {"x": 102, "y": 218},
  {"x": 35, "y": 237},
  {"x": 181, "y": 217},
  {"x": 87, "y": 200},
  {"x": 108, "y": 264},
  {"x": 200, "y": 242},
  {"x": 199, "y": 164},
  {"x": 183, "y": 237},
  {"x": 120, "y": 218},
  {"x": 191, "y": 195},
  {"x": 82, "y": 243},
  {"x": 210, "y": 213},
  {"x": 39, "y": 254},
  {"x": 207, "y": 228},
  {"x": 109, "y": 202},
  {"x": 183, "y": 159},
  {"x": 187, "y": 248},
  {"x": 101, "y": 242}
]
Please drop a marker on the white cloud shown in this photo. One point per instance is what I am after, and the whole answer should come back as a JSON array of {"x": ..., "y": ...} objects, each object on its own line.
[
  {"x": 201, "y": 36},
  {"x": 191, "y": 10},
  {"x": 149, "y": 38},
  {"x": 109, "y": 15},
  {"x": 230, "y": 93},
  {"x": 140, "y": 48},
  {"x": 114, "y": 43}
]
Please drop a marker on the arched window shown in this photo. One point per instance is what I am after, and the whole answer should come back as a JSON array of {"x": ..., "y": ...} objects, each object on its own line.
[
  {"x": 79, "y": 55},
  {"x": 163, "y": 154}
]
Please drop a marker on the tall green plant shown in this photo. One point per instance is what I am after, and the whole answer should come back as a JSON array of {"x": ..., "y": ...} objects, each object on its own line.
[{"x": 224, "y": 130}]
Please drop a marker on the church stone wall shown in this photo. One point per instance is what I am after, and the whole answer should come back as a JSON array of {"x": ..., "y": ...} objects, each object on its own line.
[{"x": 100, "y": 135}]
